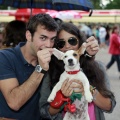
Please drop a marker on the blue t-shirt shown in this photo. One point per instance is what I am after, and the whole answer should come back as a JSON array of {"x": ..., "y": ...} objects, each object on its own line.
[{"x": 13, "y": 65}]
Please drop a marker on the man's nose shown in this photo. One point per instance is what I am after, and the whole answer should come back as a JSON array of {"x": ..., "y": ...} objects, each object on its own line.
[{"x": 48, "y": 43}]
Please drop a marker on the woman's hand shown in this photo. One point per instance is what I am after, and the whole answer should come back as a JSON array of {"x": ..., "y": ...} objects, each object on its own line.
[
  {"x": 77, "y": 86},
  {"x": 73, "y": 85},
  {"x": 92, "y": 45}
]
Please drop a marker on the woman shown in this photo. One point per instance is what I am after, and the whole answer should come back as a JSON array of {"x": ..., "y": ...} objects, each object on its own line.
[
  {"x": 114, "y": 48},
  {"x": 69, "y": 38}
]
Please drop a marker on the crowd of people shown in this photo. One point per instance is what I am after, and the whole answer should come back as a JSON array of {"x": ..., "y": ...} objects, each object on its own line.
[
  {"x": 101, "y": 31},
  {"x": 29, "y": 71}
]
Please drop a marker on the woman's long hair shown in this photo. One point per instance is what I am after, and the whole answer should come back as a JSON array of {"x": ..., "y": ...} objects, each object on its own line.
[{"x": 89, "y": 66}]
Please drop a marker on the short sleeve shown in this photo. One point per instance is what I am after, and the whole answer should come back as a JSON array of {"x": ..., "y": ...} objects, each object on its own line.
[{"x": 6, "y": 66}]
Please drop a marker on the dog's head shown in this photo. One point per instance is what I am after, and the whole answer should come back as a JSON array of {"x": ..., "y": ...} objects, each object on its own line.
[{"x": 71, "y": 57}]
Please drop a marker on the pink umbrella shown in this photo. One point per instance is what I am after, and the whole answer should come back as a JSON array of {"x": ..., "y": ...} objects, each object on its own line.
[
  {"x": 52, "y": 13},
  {"x": 69, "y": 14},
  {"x": 25, "y": 13}
]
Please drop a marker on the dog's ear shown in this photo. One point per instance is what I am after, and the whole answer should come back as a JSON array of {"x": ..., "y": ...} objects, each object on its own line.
[
  {"x": 82, "y": 49},
  {"x": 58, "y": 54}
]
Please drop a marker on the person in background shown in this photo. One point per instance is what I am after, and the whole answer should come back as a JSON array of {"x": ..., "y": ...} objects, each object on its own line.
[
  {"x": 1, "y": 39},
  {"x": 97, "y": 34},
  {"x": 114, "y": 48},
  {"x": 23, "y": 67},
  {"x": 14, "y": 33},
  {"x": 58, "y": 20},
  {"x": 86, "y": 30},
  {"x": 107, "y": 38},
  {"x": 69, "y": 38},
  {"x": 102, "y": 36}
]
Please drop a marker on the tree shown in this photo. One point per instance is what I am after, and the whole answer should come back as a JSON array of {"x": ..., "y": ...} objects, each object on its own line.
[
  {"x": 114, "y": 4},
  {"x": 3, "y": 7},
  {"x": 96, "y": 4}
]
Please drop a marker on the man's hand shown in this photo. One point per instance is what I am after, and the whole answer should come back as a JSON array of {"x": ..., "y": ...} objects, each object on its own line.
[
  {"x": 92, "y": 46},
  {"x": 44, "y": 57}
]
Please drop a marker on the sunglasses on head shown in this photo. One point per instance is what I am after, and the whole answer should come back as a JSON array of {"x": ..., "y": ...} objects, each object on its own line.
[{"x": 72, "y": 41}]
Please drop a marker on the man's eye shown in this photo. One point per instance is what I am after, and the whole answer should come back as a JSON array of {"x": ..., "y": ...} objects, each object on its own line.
[
  {"x": 42, "y": 38},
  {"x": 53, "y": 40}
]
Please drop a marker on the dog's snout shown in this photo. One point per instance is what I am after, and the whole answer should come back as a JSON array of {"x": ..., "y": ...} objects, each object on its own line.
[{"x": 70, "y": 60}]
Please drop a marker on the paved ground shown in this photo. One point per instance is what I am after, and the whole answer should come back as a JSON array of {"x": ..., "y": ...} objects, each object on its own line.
[{"x": 114, "y": 81}]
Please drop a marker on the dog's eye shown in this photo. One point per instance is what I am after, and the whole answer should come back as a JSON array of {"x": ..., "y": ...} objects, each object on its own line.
[
  {"x": 65, "y": 56},
  {"x": 74, "y": 54}
]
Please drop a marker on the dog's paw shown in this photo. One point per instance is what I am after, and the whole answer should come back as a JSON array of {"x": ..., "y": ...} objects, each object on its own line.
[
  {"x": 89, "y": 97},
  {"x": 50, "y": 99}
]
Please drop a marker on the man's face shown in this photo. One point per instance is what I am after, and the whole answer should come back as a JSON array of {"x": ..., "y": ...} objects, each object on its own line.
[{"x": 41, "y": 39}]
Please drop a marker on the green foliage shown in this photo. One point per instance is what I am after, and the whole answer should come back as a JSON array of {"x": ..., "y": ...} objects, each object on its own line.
[
  {"x": 96, "y": 4},
  {"x": 115, "y": 4},
  {"x": 3, "y": 7}
]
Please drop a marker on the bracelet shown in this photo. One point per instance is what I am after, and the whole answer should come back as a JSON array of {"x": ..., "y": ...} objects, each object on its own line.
[
  {"x": 92, "y": 89},
  {"x": 87, "y": 55}
]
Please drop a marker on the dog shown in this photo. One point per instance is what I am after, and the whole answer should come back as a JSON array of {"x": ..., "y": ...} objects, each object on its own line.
[{"x": 72, "y": 65}]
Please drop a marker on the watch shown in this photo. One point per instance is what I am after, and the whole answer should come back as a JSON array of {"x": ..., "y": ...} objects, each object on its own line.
[{"x": 39, "y": 69}]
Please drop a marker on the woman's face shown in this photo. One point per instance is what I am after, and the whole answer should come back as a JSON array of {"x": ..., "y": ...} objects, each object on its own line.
[
  {"x": 117, "y": 30},
  {"x": 65, "y": 36}
]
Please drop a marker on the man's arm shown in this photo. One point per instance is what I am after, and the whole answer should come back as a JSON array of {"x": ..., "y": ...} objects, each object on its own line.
[{"x": 17, "y": 95}]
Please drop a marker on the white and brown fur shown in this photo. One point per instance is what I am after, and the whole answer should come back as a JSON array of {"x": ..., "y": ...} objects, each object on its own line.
[{"x": 71, "y": 60}]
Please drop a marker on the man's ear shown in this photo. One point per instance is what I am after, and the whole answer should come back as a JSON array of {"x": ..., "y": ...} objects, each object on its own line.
[
  {"x": 82, "y": 49},
  {"x": 28, "y": 35},
  {"x": 58, "y": 54}
]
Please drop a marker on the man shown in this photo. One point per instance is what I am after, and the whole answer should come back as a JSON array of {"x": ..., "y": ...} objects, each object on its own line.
[
  {"x": 22, "y": 69},
  {"x": 102, "y": 36},
  {"x": 19, "y": 80}
]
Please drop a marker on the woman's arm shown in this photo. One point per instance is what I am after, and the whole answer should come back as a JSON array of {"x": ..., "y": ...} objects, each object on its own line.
[
  {"x": 46, "y": 111},
  {"x": 102, "y": 102}
]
